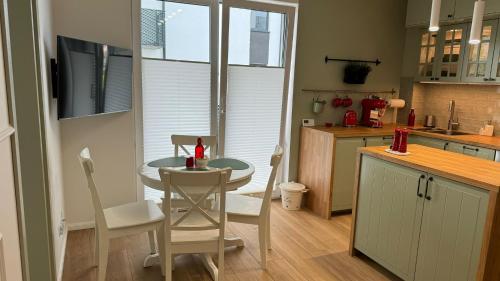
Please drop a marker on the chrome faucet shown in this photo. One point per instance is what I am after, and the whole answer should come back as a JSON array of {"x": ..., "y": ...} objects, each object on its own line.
[{"x": 451, "y": 120}]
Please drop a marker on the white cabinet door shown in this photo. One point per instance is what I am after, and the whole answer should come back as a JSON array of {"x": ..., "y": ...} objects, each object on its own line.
[
  {"x": 418, "y": 12},
  {"x": 465, "y": 8},
  {"x": 344, "y": 172},
  {"x": 452, "y": 231},
  {"x": 389, "y": 213}
]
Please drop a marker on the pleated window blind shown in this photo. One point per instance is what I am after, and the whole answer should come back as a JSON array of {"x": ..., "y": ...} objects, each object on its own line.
[
  {"x": 253, "y": 118},
  {"x": 176, "y": 100}
]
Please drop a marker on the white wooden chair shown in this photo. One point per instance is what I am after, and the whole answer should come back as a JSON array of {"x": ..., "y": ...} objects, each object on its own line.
[
  {"x": 256, "y": 211},
  {"x": 123, "y": 220},
  {"x": 198, "y": 229},
  {"x": 181, "y": 141}
]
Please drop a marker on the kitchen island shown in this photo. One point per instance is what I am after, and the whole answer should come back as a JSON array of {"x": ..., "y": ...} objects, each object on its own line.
[{"x": 430, "y": 215}]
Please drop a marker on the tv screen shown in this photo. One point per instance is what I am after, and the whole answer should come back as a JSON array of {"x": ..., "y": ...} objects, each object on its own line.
[{"x": 92, "y": 78}]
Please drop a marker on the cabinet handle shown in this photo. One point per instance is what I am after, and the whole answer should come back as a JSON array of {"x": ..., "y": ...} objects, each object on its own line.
[
  {"x": 365, "y": 142},
  {"x": 450, "y": 16},
  {"x": 493, "y": 79},
  {"x": 419, "y": 194},
  {"x": 428, "y": 197},
  {"x": 486, "y": 79},
  {"x": 470, "y": 148},
  {"x": 437, "y": 78},
  {"x": 446, "y": 146},
  {"x": 432, "y": 78}
]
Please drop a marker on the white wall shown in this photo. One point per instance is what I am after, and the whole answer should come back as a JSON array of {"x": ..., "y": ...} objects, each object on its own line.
[
  {"x": 111, "y": 138},
  {"x": 53, "y": 135},
  {"x": 354, "y": 29}
]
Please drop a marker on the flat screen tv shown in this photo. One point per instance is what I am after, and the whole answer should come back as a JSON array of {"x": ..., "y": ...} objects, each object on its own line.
[{"x": 92, "y": 78}]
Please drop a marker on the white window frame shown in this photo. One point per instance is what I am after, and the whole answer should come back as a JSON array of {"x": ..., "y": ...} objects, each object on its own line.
[
  {"x": 269, "y": 6},
  {"x": 289, "y": 7}
]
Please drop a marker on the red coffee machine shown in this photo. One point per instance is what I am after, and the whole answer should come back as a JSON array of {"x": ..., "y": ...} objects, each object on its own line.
[
  {"x": 373, "y": 111},
  {"x": 350, "y": 118}
]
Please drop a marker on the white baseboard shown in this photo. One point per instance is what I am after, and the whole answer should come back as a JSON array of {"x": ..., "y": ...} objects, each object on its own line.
[
  {"x": 81, "y": 225},
  {"x": 62, "y": 256}
]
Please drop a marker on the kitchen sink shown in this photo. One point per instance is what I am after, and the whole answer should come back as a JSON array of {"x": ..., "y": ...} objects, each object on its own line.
[
  {"x": 441, "y": 131},
  {"x": 452, "y": 133}
]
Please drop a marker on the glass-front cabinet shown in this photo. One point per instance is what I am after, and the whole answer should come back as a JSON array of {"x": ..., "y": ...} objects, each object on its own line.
[
  {"x": 481, "y": 64},
  {"x": 495, "y": 69},
  {"x": 441, "y": 54},
  {"x": 450, "y": 49},
  {"x": 427, "y": 60}
]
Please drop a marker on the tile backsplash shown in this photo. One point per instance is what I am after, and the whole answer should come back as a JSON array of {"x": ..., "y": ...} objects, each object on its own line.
[{"x": 475, "y": 104}]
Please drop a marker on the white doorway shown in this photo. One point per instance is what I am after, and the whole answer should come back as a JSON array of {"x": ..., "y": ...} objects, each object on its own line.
[{"x": 211, "y": 68}]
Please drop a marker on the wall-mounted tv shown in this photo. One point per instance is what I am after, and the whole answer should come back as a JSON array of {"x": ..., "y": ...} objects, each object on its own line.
[{"x": 92, "y": 78}]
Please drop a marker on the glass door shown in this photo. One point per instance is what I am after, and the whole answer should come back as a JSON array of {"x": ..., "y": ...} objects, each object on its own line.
[
  {"x": 495, "y": 71},
  {"x": 255, "y": 72},
  {"x": 179, "y": 74},
  {"x": 451, "y": 50},
  {"x": 479, "y": 57},
  {"x": 427, "y": 59}
]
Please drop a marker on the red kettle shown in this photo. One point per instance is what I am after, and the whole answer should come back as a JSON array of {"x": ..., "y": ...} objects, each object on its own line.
[{"x": 350, "y": 118}]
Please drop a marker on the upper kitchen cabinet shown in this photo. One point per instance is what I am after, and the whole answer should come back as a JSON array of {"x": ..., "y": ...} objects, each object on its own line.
[
  {"x": 452, "y": 43},
  {"x": 427, "y": 59},
  {"x": 464, "y": 8},
  {"x": 481, "y": 62},
  {"x": 495, "y": 68},
  {"x": 419, "y": 11},
  {"x": 441, "y": 54}
]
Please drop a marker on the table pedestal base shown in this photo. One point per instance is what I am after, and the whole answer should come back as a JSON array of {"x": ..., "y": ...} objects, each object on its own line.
[{"x": 206, "y": 259}]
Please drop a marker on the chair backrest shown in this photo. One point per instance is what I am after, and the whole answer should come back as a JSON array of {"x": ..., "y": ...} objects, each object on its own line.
[
  {"x": 181, "y": 141},
  {"x": 88, "y": 168},
  {"x": 195, "y": 187},
  {"x": 275, "y": 162}
]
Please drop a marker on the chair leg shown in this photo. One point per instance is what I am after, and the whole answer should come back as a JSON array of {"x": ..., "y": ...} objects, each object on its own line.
[
  {"x": 152, "y": 244},
  {"x": 161, "y": 246},
  {"x": 103, "y": 257},
  {"x": 168, "y": 264},
  {"x": 268, "y": 232},
  {"x": 262, "y": 244},
  {"x": 96, "y": 247},
  {"x": 220, "y": 263}
]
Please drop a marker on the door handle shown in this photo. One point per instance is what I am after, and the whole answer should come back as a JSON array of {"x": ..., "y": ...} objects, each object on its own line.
[
  {"x": 428, "y": 197},
  {"x": 419, "y": 194}
]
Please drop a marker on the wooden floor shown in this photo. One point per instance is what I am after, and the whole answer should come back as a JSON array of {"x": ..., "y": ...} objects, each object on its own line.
[{"x": 305, "y": 247}]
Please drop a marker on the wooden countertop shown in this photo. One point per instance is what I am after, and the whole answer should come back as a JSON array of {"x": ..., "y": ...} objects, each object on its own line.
[
  {"x": 477, "y": 140},
  {"x": 458, "y": 167},
  {"x": 388, "y": 130},
  {"x": 358, "y": 131}
]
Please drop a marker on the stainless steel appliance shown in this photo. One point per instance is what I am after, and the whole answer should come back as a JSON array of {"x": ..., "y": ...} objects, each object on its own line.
[
  {"x": 430, "y": 121},
  {"x": 497, "y": 156}
]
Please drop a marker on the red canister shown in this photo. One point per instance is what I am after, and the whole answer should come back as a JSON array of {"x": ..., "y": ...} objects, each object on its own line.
[
  {"x": 403, "y": 144},
  {"x": 396, "y": 139},
  {"x": 190, "y": 162}
]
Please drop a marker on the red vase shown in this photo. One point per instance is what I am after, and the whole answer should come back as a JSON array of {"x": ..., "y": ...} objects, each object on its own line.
[
  {"x": 411, "y": 118},
  {"x": 199, "y": 150}
]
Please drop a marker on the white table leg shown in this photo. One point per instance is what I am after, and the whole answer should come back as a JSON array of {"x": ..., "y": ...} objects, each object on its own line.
[
  {"x": 209, "y": 264},
  {"x": 233, "y": 241},
  {"x": 151, "y": 260}
]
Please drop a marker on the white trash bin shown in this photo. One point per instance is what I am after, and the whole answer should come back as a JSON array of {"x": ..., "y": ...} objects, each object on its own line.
[{"x": 291, "y": 195}]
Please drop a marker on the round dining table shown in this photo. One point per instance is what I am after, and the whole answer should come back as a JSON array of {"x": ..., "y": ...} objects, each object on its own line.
[{"x": 241, "y": 174}]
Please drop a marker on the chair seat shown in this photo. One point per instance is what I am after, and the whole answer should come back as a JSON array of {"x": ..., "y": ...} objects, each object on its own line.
[
  {"x": 249, "y": 190},
  {"x": 133, "y": 214},
  {"x": 243, "y": 205},
  {"x": 193, "y": 237}
]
